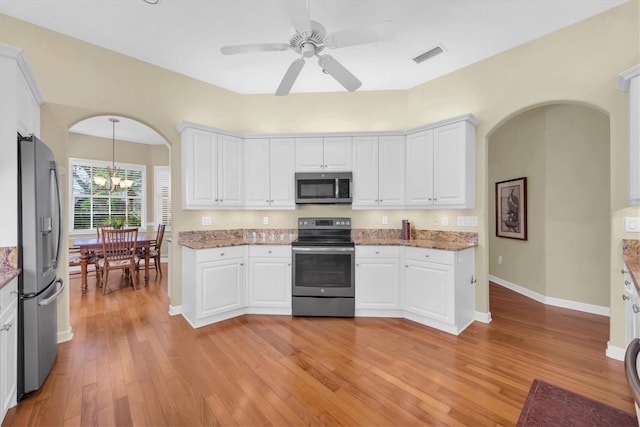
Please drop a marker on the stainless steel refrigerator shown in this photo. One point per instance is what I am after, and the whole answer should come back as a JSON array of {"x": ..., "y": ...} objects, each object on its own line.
[{"x": 39, "y": 243}]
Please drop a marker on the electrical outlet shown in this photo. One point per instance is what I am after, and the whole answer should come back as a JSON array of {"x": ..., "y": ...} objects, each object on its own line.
[
  {"x": 632, "y": 224},
  {"x": 499, "y": 259},
  {"x": 468, "y": 221},
  {"x": 385, "y": 220},
  {"x": 206, "y": 220},
  {"x": 445, "y": 221},
  {"x": 265, "y": 220}
]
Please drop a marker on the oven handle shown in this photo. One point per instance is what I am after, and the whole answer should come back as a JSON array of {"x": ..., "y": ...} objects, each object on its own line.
[{"x": 322, "y": 249}]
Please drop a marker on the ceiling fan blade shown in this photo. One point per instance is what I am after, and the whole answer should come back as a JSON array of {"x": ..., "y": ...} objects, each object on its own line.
[
  {"x": 299, "y": 14},
  {"x": 338, "y": 72},
  {"x": 371, "y": 33},
  {"x": 290, "y": 77},
  {"x": 252, "y": 48}
]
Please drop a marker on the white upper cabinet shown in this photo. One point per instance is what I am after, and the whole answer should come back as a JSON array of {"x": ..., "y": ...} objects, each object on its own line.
[
  {"x": 317, "y": 154},
  {"x": 378, "y": 171},
  {"x": 269, "y": 166},
  {"x": 212, "y": 169},
  {"x": 629, "y": 81},
  {"x": 28, "y": 109},
  {"x": 440, "y": 166}
]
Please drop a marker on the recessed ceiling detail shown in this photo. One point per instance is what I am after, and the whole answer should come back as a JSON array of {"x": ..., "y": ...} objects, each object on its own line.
[{"x": 428, "y": 54}]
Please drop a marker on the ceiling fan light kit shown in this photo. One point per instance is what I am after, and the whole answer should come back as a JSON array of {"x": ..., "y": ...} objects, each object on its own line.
[{"x": 310, "y": 40}]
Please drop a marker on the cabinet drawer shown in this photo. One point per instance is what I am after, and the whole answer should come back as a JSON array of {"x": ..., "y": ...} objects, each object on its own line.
[
  {"x": 217, "y": 254},
  {"x": 270, "y": 251},
  {"x": 377, "y": 252},
  {"x": 430, "y": 255}
]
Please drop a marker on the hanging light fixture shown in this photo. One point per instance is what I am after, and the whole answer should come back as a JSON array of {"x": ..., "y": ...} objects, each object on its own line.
[{"x": 113, "y": 172}]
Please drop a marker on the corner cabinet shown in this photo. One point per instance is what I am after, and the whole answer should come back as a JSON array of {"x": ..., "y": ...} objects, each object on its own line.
[
  {"x": 378, "y": 171},
  {"x": 212, "y": 168},
  {"x": 439, "y": 288},
  {"x": 629, "y": 81},
  {"x": 213, "y": 284},
  {"x": 440, "y": 165},
  {"x": 8, "y": 346},
  {"x": 269, "y": 171}
]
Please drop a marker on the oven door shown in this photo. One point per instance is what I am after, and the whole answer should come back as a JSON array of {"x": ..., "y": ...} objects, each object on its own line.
[{"x": 323, "y": 271}]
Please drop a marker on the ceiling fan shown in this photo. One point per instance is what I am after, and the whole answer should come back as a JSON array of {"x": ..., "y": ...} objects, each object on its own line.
[{"x": 310, "y": 40}]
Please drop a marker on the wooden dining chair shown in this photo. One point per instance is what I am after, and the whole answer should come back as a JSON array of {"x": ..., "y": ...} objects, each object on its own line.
[
  {"x": 119, "y": 253},
  {"x": 154, "y": 250}
]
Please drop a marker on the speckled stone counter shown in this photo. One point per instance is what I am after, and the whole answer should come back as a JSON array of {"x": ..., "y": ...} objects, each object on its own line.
[
  {"x": 222, "y": 238},
  {"x": 631, "y": 257},
  {"x": 445, "y": 240},
  {"x": 8, "y": 265},
  {"x": 432, "y": 239}
]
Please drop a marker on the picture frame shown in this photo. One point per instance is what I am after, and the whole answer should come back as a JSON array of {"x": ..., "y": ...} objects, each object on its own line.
[{"x": 511, "y": 208}]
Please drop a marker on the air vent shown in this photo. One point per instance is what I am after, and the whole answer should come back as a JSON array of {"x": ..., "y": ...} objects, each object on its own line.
[{"x": 429, "y": 54}]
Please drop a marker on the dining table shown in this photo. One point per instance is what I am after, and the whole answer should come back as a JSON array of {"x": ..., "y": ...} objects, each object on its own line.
[{"x": 89, "y": 244}]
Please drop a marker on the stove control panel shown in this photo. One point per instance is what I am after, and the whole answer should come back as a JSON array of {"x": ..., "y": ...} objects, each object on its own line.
[{"x": 324, "y": 223}]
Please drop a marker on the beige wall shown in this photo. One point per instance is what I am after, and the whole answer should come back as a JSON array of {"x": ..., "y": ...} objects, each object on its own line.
[
  {"x": 579, "y": 63},
  {"x": 563, "y": 150}
]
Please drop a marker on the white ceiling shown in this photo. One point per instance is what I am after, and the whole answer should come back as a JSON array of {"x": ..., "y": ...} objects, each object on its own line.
[{"x": 186, "y": 35}]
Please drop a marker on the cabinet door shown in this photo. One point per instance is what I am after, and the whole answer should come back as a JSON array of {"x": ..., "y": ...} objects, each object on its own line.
[
  {"x": 8, "y": 357},
  {"x": 450, "y": 164},
  {"x": 378, "y": 283},
  {"x": 309, "y": 155},
  {"x": 419, "y": 169},
  {"x": 337, "y": 154},
  {"x": 270, "y": 283},
  {"x": 257, "y": 188},
  {"x": 391, "y": 171},
  {"x": 365, "y": 171},
  {"x": 199, "y": 171},
  {"x": 220, "y": 287},
  {"x": 230, "y": 170},
  {"x": 282, "y": 160},
  {"x": 429, "y": 290}
]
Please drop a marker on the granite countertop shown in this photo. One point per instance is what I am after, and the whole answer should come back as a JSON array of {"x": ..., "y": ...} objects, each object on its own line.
[
  {"x": 631, "y": 257},
  {"x": 8, "y": 264},
  {"x": 450, "y": 241}
]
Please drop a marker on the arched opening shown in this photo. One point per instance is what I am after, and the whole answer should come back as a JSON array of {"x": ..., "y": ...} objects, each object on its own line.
[
  {"x": 563, "y": 150},
  {"x": 139, "y": 155}
]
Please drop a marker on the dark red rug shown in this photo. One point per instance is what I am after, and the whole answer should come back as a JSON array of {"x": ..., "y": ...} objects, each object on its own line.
[{"x": 548, "y": 405}]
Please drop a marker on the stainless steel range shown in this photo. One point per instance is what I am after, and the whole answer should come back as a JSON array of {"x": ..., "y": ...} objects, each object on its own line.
[{"x": 323, "y": 268}]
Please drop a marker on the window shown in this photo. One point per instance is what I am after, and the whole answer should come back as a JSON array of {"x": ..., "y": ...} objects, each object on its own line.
[
  {"x": 91, "y": 204},
  {"x": 162, "y": 191}
]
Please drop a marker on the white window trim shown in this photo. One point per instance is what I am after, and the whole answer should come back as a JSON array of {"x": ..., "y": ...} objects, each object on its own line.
[
  {"x": 104, "y": 163},
  {"x": 157, "y": 200}
]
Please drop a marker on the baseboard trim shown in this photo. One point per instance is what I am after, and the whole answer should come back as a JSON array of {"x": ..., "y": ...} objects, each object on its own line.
[
  {"x": 483, "y": 317},
  {"x": 174, "y": 310},
  {"x": 64, "y": 336},
  {"x": 614, "y": 352},
  {"x": 556, "y": 302}
]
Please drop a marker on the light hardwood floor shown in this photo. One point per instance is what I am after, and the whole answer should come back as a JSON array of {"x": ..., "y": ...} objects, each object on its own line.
[{"x": 130, "y": 363}]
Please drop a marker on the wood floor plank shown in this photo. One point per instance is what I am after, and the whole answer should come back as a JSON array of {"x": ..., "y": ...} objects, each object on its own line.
[{"x": 130, "y": 363}]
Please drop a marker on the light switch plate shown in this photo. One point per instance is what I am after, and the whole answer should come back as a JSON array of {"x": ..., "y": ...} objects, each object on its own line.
[
  {"x": 206, "y": 220},
  {"x": 265, "y": 220},
  {"x": 445, "y": 221},
  {"x": 632, "y": 224},
  {"x": 385, "y": 220}
]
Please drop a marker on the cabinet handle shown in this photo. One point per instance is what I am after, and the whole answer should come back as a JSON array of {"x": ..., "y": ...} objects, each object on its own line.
[
  {"x": 216, "y": 200},
  {"x": 13, "y": 292},
  {"x": 473, "y": 280},
  {"x": 623, "y": 271},
  {"x": 269, "y": 251},
  {"x": 381, "y": 200},
  {"x": 406, "y": 266},
  {"x": 221, "y": 253},
  {"x": 357, "y": 265},
  {"x": 626, "y": 282},
  {"x": 435, "y": 198},
  {"x": 289, "y": 265},
  {"x": 241, "y": 264},
  {"x": 427, "y": 256},
  {"x": 624, "y": 297},
  {"x": 6, "y": 326},
  {"x": 429, "y": 199},
  {"x": 636, "y": 309}
]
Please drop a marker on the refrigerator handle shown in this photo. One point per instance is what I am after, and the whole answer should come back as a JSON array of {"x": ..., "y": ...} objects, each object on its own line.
[
  {"x": 58, "y": 222},
  {"x": 55, "y": 296}
]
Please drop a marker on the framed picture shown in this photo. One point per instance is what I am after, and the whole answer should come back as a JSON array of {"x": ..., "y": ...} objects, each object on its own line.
[{"x": 511, "y": 208}]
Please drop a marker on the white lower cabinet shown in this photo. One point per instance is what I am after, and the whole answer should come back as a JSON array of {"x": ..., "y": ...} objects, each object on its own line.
[
  {"x": 8, "y": 346},
  {"x": 378, "y": 281},
  {"x": 631, "y": 308},
  {"x": 213, "y": 284},
  {"x": 439, "y": 288},
  {"x": 269, "y": 287}
]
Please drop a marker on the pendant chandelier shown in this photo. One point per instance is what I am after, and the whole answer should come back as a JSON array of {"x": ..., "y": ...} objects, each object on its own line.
[{"x": 113, "y": 172}]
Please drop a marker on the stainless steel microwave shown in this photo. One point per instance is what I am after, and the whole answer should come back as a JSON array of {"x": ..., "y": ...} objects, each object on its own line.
[{"x": 319, "y": 187}]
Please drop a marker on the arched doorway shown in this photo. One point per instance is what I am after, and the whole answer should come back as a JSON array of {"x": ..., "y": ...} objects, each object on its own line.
[{"x": 563, "y": 150}]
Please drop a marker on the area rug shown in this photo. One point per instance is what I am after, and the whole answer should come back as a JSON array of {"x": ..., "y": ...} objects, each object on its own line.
[{"x": 548, "y": 405}]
